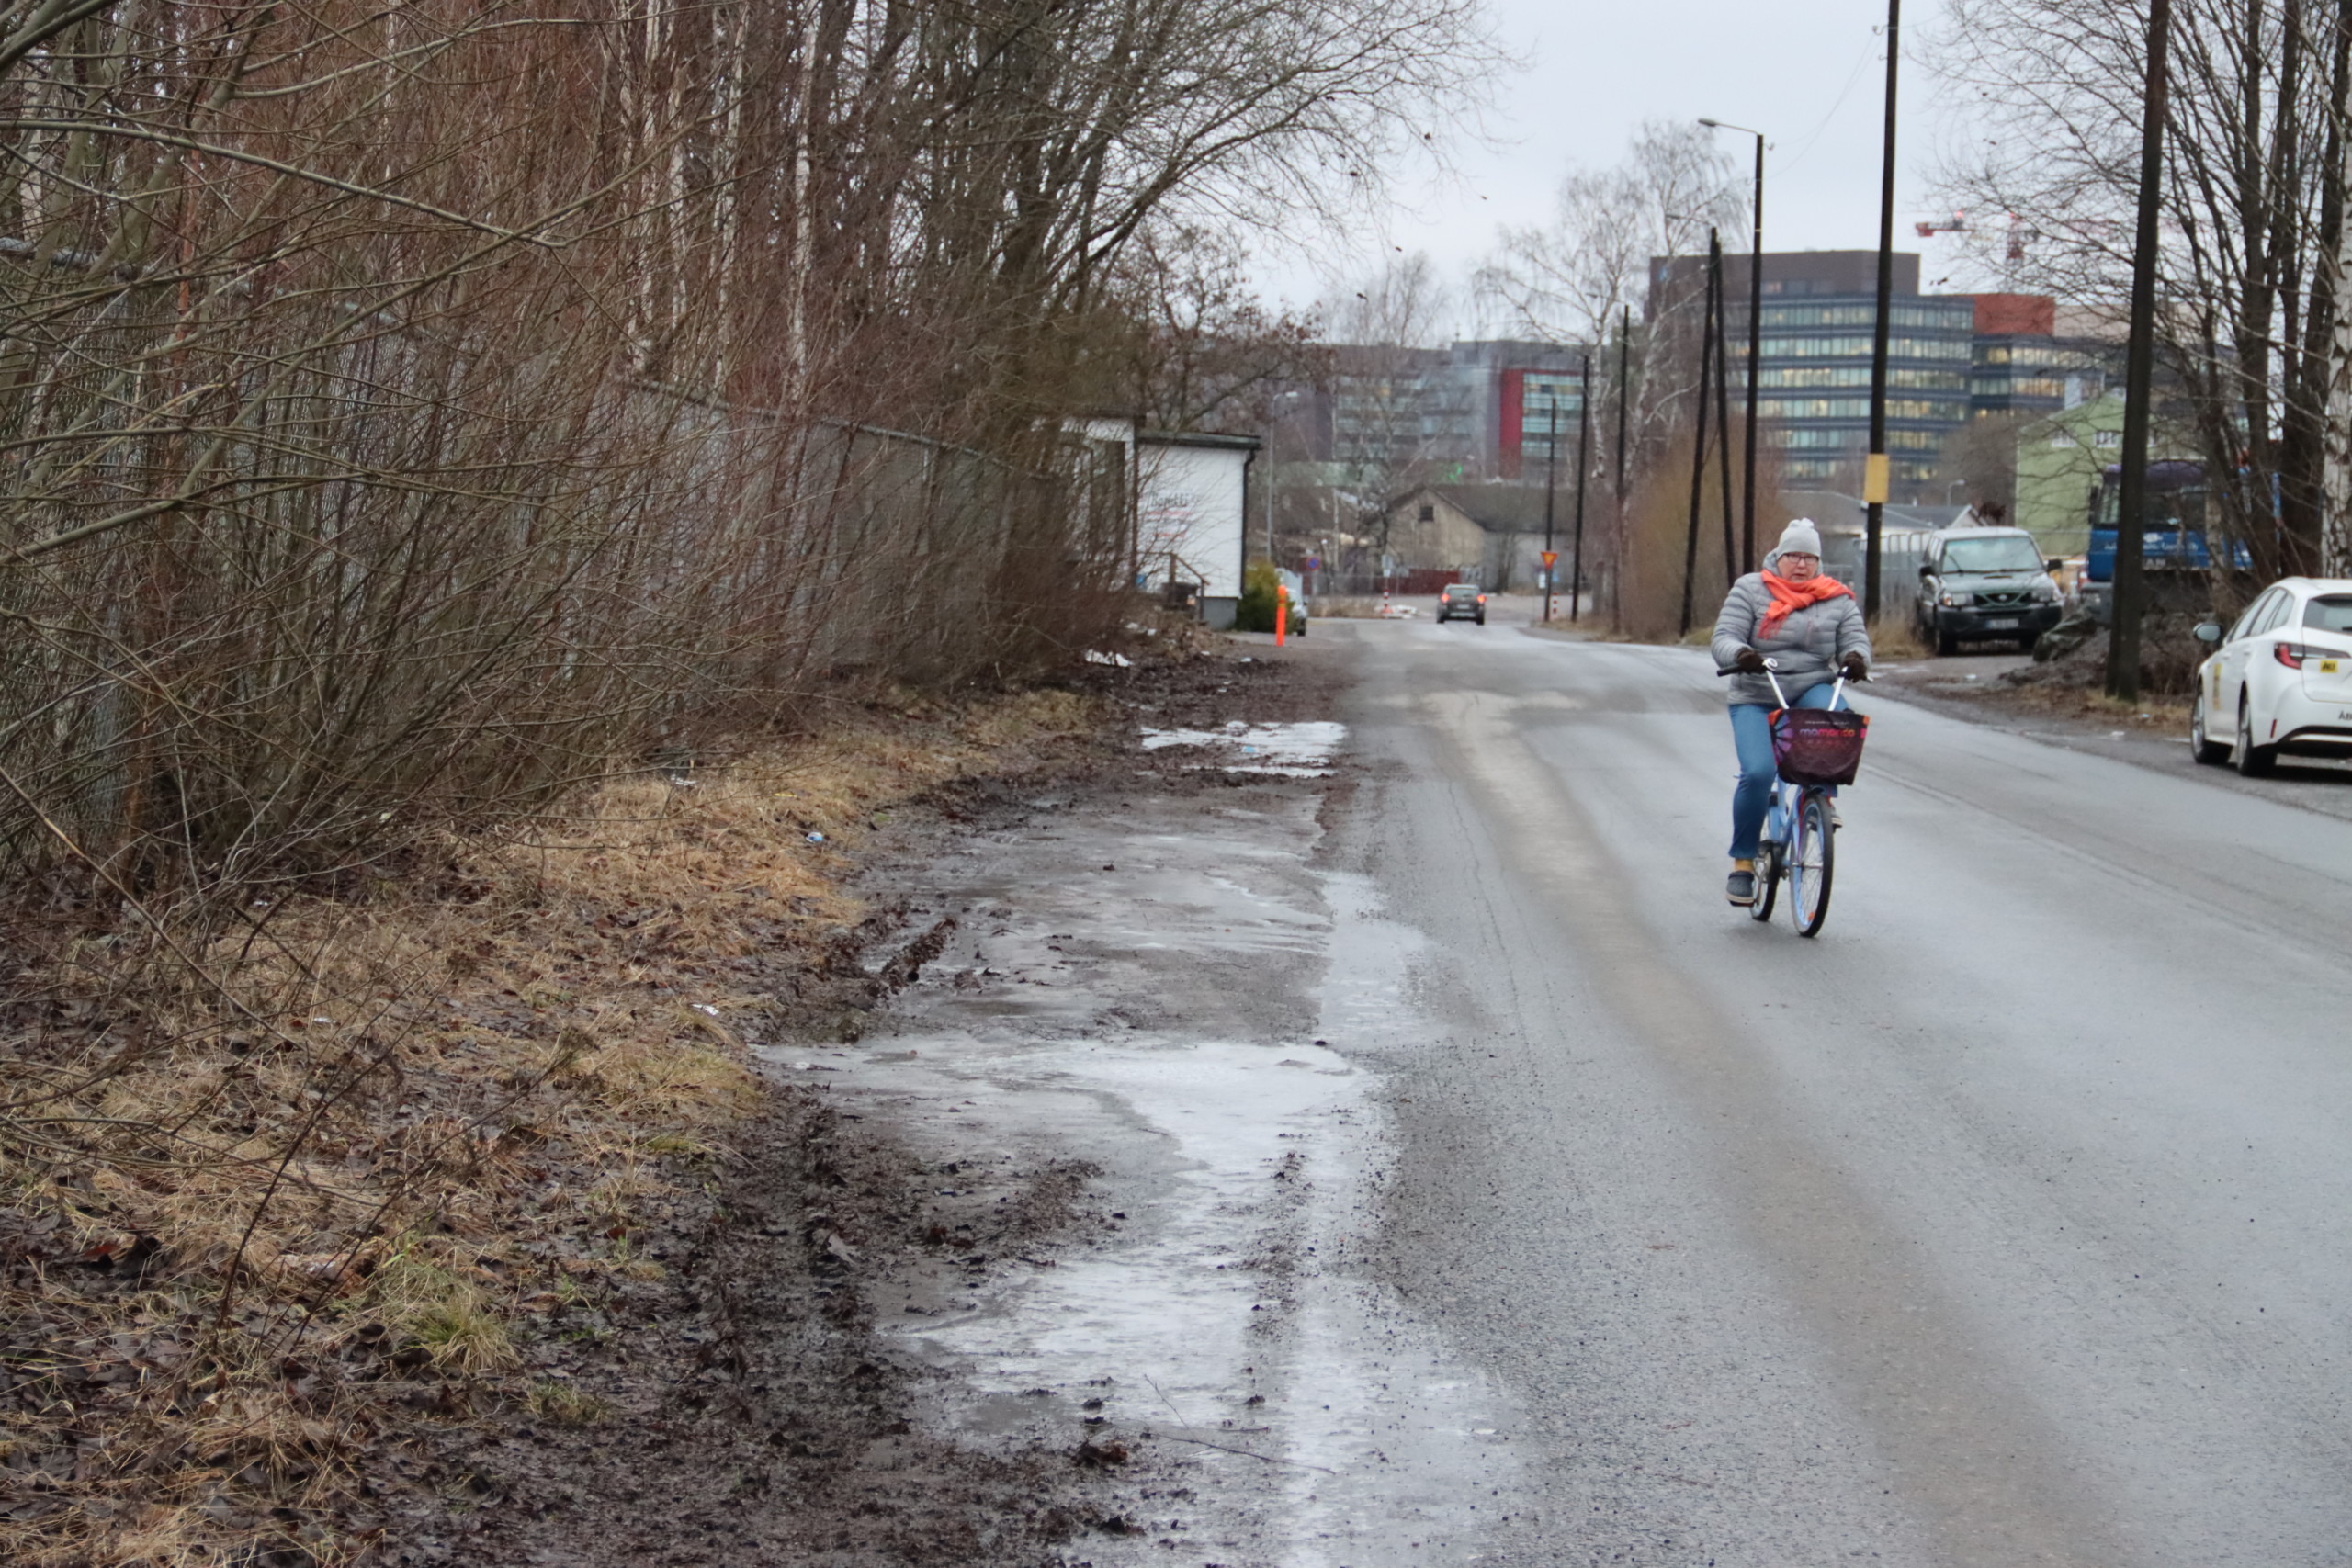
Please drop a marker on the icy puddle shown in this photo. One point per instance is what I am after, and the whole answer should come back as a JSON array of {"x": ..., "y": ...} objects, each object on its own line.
[
  {"x": 1288, "y": 1411},
  {"x": 1293, "y": 751}
]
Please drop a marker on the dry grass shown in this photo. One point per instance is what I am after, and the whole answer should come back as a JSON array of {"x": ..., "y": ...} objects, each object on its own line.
[
  {"x": 1896, "y": 636},
  {"x": 558, "y": 1404},
  {"x": 376, "y": 1133}
]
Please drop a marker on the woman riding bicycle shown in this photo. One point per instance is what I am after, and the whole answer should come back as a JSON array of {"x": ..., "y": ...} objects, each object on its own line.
[{"x": 1811, "y": 627}]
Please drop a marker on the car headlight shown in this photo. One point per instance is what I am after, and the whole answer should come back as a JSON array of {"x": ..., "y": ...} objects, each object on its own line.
[
  {"x": 1958, "y": 601},
  {"x": 2045, "y": 592}
]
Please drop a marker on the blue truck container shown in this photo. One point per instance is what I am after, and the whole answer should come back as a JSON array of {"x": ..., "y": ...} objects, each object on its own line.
[
  {"x": 2172, "y": 544},
  {"x": 2174, "y": 539}
]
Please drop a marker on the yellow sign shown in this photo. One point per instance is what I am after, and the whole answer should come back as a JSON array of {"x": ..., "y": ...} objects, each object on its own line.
[{"x": 1875, "y": 485}]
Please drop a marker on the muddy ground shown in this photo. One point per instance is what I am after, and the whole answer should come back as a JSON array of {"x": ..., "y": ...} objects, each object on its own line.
[{"x": 750, "y": 1406}]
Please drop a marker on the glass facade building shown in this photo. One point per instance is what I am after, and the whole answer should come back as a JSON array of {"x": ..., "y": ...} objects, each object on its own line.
[
  {"x": 1951, "y": 358},
  {"x": 1813, "y": 382},
  {"x": 2035, "y": 375}
]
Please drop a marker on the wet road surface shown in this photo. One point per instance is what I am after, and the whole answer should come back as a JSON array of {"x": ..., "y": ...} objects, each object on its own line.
[
  {"x": 1469, "y": 1183},
  {"x": 2005, "y": 1224}
]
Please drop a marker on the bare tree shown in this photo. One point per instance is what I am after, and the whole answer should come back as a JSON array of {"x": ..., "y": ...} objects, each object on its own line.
[
  {"x": 1197, "y": 349},
  {"x": 412, "y": 413},
  {"x": 1389, "y": 328},
  {"x": 1584, "y": 279},
  {"x": 1570, "y": 280},
  {"x": 2253, "y": 209}
]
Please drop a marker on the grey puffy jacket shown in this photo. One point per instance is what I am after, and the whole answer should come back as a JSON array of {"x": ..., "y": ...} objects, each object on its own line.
[{"x": 1807, "y": 645}]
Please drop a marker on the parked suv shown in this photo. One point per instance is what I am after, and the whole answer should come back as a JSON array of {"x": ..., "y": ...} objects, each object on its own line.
[
  {"x": 1986, "y": 584},
  {"x": 1461, "y": 600}
]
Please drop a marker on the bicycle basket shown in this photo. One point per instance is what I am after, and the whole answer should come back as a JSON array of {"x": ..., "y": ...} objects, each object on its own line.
[{"x": 1818, "y": 746}]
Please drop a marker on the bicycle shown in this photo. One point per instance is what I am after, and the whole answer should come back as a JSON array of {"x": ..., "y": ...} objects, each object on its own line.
[{"x": 1815, "y": 749}]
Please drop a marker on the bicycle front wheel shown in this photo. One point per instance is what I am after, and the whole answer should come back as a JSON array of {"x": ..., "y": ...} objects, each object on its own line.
[
  {"x": 1767, "y": 881},
  {"x": 1813, "y": 862}
]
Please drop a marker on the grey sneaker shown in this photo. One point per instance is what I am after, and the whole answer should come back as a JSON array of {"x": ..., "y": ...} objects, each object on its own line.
[{"x": 1741, "y": 888}]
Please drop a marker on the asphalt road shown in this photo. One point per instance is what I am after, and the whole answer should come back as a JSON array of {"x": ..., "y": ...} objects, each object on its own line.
[{"x": 2005, "y": 1223}]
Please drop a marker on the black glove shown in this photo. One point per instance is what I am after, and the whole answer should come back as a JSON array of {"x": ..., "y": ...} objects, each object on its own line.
[
  {"x": 1857, "y": 667},
  {"x": 1748, "y": 661}
]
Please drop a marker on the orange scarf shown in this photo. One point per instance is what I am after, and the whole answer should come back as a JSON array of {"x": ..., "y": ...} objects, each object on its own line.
[{"x": 1788, "y": 597}]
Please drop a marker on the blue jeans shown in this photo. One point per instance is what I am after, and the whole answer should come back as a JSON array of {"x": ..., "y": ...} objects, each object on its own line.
[{"x": 1751, "y": 735}]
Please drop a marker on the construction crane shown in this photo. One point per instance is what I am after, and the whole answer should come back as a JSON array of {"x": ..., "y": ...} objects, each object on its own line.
[{"x": 2013, "y": 256}]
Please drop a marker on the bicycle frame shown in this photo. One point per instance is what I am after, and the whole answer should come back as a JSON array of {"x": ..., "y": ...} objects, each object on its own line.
[{"x": 1799, "y": 839}]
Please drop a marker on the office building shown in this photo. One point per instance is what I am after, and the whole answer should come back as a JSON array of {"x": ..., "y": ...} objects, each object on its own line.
[
  {"x": 2020, "y": 365},
  {"x": 1471, "y": 412},
  {"x": 1814, "y": 384}
]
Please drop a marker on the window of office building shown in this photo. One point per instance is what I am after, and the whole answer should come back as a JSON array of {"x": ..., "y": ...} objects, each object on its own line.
[
  {"x": 1928, "y": 317},
  {"x": 1858, "y": 376},
  {"x": 1859, "y": 408},
  {"x": 1858, "y": 346}
]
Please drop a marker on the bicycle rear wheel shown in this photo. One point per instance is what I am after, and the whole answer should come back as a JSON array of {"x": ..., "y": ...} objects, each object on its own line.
[
  {"x": 1813, "y": 864},
  {"x": 1767, "y": 880}
]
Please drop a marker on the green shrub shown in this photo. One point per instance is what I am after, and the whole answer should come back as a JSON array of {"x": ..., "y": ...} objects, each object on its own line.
[{"x": 1256, "y": 612}]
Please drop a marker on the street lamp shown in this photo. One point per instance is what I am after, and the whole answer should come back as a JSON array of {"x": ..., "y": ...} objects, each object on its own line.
[{"x": 1754, "y": 343}]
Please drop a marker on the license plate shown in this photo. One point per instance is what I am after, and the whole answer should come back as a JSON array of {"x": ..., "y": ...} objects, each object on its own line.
[{"x": 2000, "y": 622}]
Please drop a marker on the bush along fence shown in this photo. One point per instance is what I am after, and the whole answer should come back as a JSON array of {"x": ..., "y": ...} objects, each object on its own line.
[{"x": 282, "y": 677}]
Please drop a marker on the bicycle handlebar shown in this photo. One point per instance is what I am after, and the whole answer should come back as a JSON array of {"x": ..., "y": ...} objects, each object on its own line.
[{"x": 1770, "y": 668}]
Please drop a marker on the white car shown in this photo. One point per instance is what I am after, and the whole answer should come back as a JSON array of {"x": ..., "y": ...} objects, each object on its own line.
[
  {"x": 2280, "y": 681},
  {"x": 1297, "y": 586}
]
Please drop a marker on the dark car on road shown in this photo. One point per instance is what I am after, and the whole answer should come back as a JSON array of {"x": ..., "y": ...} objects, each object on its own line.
[
  {"x": 1983, "y": 584},
  {"x": 1460, "y": 601}
]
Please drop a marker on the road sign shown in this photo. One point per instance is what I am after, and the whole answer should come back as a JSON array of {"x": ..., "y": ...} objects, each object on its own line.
[{"x": 1549, "y": 557}]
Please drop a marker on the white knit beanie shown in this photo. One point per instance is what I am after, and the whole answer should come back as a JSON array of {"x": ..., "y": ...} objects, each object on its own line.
[{"x": 1801, "y": 536}]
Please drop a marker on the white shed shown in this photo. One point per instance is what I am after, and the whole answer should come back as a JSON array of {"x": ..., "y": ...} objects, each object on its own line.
[{"x": 1192, "y": 500}]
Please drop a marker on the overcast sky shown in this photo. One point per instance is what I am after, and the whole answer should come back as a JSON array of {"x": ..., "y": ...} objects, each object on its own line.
[{"x": 1809, "y": 74}]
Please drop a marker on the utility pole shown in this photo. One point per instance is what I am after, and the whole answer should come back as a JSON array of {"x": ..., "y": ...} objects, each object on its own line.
[
  {"x": 1722, "y": 414},
  {"x": 1551, "y": 478},
  {"x": 2138, "y": 365},
  {"x": 1625, "y": 407},
  {"x": 1875, "y": 486},
  {"x": 1755, "y": 343},
  {"x": 1584, "y": 466},
  {"x": 1698, "y": 432}
]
